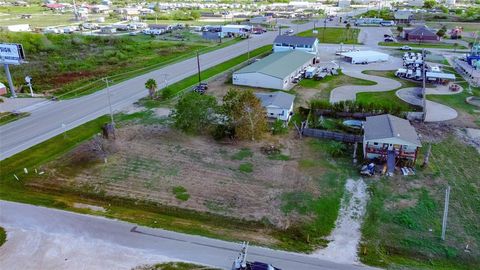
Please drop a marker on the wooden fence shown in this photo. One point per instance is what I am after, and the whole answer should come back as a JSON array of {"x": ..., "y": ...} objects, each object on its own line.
[{"x": 324, "y": 134}]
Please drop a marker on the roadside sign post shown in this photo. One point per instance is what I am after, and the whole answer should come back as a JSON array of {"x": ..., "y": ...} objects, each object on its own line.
[
  {"x": 28, "y": 80},
  {"x": 10, "y": 81},
  {"x": 11, "y": 54}
]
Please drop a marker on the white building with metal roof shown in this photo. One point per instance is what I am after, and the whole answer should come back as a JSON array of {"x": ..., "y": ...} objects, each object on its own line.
[
  {"x": 387, "y": 135},
  {"x": 279, "y": 105},
  {"x": 284, "y": 43},
  {"x": 275, "y": 71}
]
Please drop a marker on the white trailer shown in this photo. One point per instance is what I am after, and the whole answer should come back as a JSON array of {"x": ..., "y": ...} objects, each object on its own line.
[
  {"x": 362, "y": 57},
  {"x": 236, "y": 29},
  {"x": 19, "y": 28}
]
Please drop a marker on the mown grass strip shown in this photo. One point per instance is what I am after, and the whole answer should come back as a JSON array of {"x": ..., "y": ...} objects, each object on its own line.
[{"x": 178, "y": 88}]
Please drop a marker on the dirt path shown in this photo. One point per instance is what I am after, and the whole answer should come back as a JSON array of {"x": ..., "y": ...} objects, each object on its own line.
[{"x": 345, "y": 237}]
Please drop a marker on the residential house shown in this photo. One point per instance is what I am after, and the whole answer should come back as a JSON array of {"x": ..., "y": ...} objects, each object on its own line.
[
  {"x": 420, "y": 33},
  {"x": 276, "y": 71},
  {"x": 284, "y": 43},
  {"x": 279, "y": 105},
  {"x": 390, "y": 138}
]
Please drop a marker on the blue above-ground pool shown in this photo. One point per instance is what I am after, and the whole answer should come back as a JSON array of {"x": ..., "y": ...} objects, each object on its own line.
[{"x": 353, "y": 123}]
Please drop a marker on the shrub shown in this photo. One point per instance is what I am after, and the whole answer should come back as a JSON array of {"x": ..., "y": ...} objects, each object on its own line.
[
  {"x": 336, "y": 149},
  {"x": 279, "y": 127},
  {"x": 246, "y": 167}
]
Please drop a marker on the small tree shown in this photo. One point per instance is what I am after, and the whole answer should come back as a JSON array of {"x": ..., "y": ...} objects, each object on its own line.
[
  {"x": 399, "y": 29},
  {"x": 195, "y": 113},
  {"x": 245, "y": 113},
  {"x": 336, "y": 149},
  {"x": 455, "y": 45},
  {"x": 347, "y": 26},
  {"x": 441, "y": 33},
  {"x": 151, "y": 85}
]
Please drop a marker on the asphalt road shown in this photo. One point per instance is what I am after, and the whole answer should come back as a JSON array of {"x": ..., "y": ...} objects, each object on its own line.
[
  {"x": 155, "y": 243},
  {"x": 52, "y": 118}
]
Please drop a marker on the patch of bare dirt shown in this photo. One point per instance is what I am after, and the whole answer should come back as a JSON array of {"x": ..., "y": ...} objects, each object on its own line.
[{"x": 149, "y": 161}]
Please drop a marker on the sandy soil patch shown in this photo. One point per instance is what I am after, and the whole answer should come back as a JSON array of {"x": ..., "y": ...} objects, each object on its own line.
[
  {"x": 346, "y": 236},
  {"x": 89, "y": 206}
]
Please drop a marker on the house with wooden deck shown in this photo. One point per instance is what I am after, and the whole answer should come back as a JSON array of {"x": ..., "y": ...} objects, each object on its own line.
[{"x": 390, "y": 138}]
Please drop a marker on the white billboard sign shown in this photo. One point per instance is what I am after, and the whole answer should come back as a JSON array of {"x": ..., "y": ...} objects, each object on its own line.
[{"x": 11, "y": 53}]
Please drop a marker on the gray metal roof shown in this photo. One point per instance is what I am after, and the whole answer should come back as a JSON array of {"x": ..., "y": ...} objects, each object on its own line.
[
  {"x": 278, "y": 99},
  {"x": 279, "y": 64},
  {"x": 387, "y": 126},
  {"x": 295, "y": 40},
  {"x": 422, "y": 30}
]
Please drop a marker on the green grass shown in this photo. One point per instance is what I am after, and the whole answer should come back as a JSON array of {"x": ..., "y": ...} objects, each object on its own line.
[
  {"x": 323, "y": 209},
  {"x": 7, "y": 117},
  {"x": 388, "y": 97},
  {"x": 329, "y": 83},
  {"x": 181, "y": 193},
  {"x": 175, "y": 266},
  {"x": 404, "y": 215},
  {"x": 299, "y": 21},
  {"x": 242, "y": 154},
  {"x": 246, "y": 167},
  {"x": 179, "y": 87},
  {"x": 72, "y": 65},
  {"x": 3, "y": 236},
  {"x": 279, "y": 156},
  {"x": 422, "y": 45},
  {"x": 334, "y": 35},
  {"x": 457, "y": 101}
]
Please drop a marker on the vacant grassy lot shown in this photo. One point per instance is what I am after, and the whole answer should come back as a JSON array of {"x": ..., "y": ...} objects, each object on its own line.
[
  {"x": 59, "y": 64},
  {"x": 404, "y": 216},
  {"x": 310, "y": 88},
  {"x": 422, "y": 45},
  {"x": 467, "y": 26},
  {"x": 388, "y": 97},
  {"x": 161, "y": 178},
  {"x": 334, "y": 35}
]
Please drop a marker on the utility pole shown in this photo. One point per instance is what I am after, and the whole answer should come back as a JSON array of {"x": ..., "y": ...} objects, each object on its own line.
[
  {"x": 107, "y": 81},
  {"x": 198, "y": 68},
  {"x": 445, "y": 212},
  {"x": 424, "y": 75},
  {"x": 248, "y": 49}
]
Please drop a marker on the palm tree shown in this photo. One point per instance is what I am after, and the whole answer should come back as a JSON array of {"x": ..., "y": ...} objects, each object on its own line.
[
  {"x": 151, "y": 85},
  {"x": 348, "y": 31}
]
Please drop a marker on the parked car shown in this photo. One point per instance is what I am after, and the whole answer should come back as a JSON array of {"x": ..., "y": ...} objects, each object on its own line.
[
  {"x": 289, "y": 32},
  {"x": 389, "y": 39},
  {"x": 406, "y": 48}
]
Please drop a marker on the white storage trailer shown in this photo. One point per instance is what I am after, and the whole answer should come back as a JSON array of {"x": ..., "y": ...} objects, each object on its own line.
[{"x": 361, "y": 57}]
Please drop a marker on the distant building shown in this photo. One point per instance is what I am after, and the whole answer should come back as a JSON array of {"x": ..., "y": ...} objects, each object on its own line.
[
  {"x": 279, "y": 105},
  {"x": 389, "y": 137},
  {"x": 416, "y": 3},
  {"x": 403, "y": 16},
  {"x": 421, "y": 33},
  {"x": 261, "y": 20},
  {"x": 276, "y": 71},
  {"x": 287, "y": 43}
]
